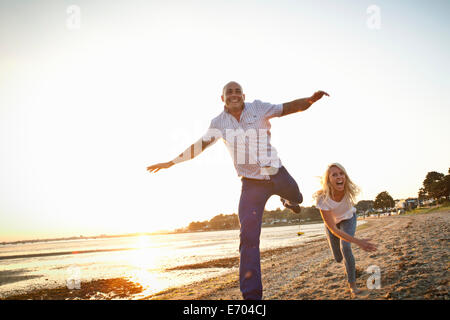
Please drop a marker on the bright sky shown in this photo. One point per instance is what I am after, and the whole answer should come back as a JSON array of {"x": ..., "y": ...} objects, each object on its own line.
[{"x": 87, "y": 104}]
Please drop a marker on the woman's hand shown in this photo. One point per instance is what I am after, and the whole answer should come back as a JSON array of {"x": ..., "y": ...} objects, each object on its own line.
[{"x": 366, "y": 245}]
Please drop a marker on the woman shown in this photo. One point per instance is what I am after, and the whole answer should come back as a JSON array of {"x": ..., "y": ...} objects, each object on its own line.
[{"x": 335, "y": 201}]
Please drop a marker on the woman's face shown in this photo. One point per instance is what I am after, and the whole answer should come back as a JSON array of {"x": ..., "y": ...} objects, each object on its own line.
[{"x": 337, "y": 178}]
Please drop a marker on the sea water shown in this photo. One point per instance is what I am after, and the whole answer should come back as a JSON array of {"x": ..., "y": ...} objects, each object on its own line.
[{"x": 142, "y": 259}]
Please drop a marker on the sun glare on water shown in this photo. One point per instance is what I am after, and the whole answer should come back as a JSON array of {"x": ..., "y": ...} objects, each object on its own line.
[{"x": 146, "y": 263}]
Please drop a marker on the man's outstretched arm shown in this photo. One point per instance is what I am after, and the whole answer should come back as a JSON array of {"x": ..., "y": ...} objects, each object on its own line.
[
  {"x": 188, "y": 154},
  {"x": 302, "y": 104}
]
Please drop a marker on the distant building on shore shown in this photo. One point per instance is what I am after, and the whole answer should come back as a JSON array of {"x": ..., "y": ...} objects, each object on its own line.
[{"x": 406, "y": 204}]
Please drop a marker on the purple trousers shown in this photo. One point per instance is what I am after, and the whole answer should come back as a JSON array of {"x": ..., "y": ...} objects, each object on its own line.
[{"x": 254, "y": 196}]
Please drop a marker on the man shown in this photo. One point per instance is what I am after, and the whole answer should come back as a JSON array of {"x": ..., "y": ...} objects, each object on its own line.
[{"x": 245, "y": 129}]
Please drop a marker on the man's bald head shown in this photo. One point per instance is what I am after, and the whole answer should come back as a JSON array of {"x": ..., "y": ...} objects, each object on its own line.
[{"x": 234, "y": 83}]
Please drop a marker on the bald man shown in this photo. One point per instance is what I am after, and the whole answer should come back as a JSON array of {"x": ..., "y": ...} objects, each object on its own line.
[{"x": 245, "y": 129}]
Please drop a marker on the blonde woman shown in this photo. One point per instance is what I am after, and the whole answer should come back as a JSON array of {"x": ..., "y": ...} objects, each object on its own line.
[{"x": 335, "y": 201}]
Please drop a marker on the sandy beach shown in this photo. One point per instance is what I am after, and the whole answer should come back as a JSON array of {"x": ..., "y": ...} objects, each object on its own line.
[{"x": 412, "y": 258}]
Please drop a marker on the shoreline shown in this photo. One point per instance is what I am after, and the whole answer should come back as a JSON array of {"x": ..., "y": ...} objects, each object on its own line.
[
  {"x": 155, "y": 233},
  {"x": 412, "y": 258}
]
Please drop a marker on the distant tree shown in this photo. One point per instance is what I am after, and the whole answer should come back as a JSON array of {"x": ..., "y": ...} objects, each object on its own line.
[
  {"x": 224, "y": 222},
  {"x": 422, "y": 194},
  {"x": 217, "y": 222},
  {"x": 197, "y": 226},
  {"x": 311, "y": 213},
  {"x": 306, "y": 213},
  {"x": 364, "y": 205},
  {"x": 383, "y": 201},
  {"x": 447, "y": 185},
  {"x": 435, "y": 186}
]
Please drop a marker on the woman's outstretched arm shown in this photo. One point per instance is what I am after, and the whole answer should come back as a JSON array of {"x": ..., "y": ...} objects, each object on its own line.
[{"x": 365, "y": 244}]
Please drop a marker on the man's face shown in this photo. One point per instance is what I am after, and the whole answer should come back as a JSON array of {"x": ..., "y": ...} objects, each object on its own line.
[{"x": 233, "y": 96}]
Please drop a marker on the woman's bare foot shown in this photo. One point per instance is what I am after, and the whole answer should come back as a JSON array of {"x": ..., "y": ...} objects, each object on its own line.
[{"x": 354, "y": 291}]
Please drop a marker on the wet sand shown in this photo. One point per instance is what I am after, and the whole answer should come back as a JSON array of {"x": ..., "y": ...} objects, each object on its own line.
[{"x": 412, "y": 258}]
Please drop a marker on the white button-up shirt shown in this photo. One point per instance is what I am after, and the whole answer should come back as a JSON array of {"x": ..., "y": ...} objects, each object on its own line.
[{"x": 248, "y": 140}]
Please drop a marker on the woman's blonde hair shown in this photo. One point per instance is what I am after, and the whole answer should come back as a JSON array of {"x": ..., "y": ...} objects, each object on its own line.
[{"x": 351, "y": 190}]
